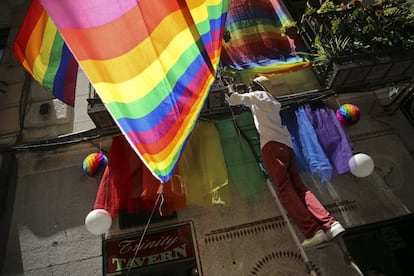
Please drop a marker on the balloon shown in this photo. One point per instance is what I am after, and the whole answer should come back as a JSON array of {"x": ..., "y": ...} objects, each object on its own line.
[
  {"x": 98, "y": 221},
  {"x": 361, "y": 165},
  {"x": 348, "y": 114},
  {"x": 94, "y": 163}
]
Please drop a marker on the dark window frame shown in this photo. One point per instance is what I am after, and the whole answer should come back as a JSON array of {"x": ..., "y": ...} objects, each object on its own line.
[{"x": 4, "y": 35}]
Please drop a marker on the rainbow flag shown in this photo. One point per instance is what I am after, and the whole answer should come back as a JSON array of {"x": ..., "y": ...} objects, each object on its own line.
[
  {"x": 151, "y": 62},
  {"x": 255, "y": 38},
  {"x": 43, "y": 53}
]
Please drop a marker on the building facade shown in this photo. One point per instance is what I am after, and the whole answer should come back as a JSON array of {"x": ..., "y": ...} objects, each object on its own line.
[{"x": 46, "y": 195}]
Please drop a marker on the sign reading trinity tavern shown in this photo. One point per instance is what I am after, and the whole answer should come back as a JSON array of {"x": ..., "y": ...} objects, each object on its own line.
[{"x": 172, "y": 244}]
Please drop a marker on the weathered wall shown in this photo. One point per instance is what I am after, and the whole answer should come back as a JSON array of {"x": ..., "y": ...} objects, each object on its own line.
[
  {"x": 14, "y": 120},
  {"x": 53, "y": 197}
]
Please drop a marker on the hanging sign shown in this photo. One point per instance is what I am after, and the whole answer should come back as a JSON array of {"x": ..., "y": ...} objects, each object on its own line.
[{"x": 167, "y": 245}]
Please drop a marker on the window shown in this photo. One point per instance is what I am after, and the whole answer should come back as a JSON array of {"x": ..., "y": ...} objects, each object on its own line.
[
  {"x": 4, "y": 34},
  {"x": 295, "y": 8}
]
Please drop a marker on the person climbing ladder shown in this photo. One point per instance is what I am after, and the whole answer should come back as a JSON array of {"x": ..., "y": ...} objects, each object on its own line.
[{"x": 312, "y": 219}]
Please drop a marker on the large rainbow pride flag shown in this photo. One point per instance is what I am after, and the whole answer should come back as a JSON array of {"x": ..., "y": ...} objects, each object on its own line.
[
  {"x": 43, "y": 53},
  {"x": 151, "y": 62}
]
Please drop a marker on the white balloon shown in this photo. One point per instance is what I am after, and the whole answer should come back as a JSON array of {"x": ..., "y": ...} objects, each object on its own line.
[
  {"x": 98, "y": 221},
  {"x": 361, "y": 165}
]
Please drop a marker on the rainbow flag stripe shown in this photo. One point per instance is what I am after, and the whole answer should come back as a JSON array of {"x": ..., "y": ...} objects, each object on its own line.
[
  {"x": 281, "y": 11},
  {"x": 151, "y": 62},
  {"x": 43, "y": 53}
]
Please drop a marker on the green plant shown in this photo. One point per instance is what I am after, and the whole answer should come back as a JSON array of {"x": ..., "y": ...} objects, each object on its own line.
[
  {"x": 327, "y": 6},
  {"x": 324, "y": 52},
  {"x": 289, "y": 25},
  {"x": 360, "y": 30},
  {"x": 402, "y": 18},
  {"x": 382, "y": 27},
  {"x": 336, "y": 25},
  {"x": 333, "y": 48}
]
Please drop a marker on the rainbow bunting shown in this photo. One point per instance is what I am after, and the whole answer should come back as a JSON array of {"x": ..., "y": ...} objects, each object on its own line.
[
  {"x": 151, "y": 62},
  {"x": 43, "y": 53}
]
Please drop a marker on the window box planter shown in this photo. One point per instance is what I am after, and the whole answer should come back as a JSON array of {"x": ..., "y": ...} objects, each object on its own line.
[{"x": 351, "y": 72}]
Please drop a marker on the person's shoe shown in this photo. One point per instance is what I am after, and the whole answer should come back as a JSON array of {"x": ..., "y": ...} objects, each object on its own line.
[
  {"x": 318, "y": 238},
  {"x": 333, "y": 231}
]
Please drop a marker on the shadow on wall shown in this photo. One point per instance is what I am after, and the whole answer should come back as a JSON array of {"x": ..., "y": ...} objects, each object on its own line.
[
  {"x": 8, "y": 179},
  {"x": 48, "y": 221},
  {"x": 51, "y": 202}
]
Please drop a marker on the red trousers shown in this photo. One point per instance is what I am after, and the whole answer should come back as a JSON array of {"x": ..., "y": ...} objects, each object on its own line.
[{"x": 304, "y": 208}]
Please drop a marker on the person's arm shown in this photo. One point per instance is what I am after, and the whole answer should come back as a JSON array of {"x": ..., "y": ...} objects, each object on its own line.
[{"x": 241, "y": 99}]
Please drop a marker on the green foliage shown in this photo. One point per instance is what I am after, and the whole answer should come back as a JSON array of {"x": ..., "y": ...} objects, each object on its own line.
[
  {"x": 336, "y": 25},
  {"x": 324, "y": 52},
  {"x": 333, "y": 48},
  {"x": 327, "y": 6},
  {"x": 358, "y": 29}
]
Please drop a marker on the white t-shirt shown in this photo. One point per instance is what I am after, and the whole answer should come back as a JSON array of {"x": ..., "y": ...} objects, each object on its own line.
[{"x": 266, "y": 114}]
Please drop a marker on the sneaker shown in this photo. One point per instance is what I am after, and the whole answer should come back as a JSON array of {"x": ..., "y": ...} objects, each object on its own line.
[
  {"x": 333, "y": 231},
  {"x": 318, "y": 238}
]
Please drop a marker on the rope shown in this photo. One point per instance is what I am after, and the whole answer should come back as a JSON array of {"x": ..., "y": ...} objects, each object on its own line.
[{"x": 144, "y": 233}]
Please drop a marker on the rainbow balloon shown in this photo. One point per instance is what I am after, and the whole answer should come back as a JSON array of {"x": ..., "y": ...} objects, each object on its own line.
[
  {"x": 94, "y": 163},
  {"x": 348, "y": 114}
]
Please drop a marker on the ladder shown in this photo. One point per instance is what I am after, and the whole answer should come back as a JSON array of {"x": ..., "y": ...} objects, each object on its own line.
[
  {"x": 338, "y": 240},
  {"x": 254, "y": 145}
]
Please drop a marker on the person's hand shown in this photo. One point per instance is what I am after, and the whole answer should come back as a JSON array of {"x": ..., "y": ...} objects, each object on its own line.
[{"x": 231, "y": 88}]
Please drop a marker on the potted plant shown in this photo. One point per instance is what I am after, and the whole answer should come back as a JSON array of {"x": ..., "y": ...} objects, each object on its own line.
[{"x": 355, "y": 42}]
